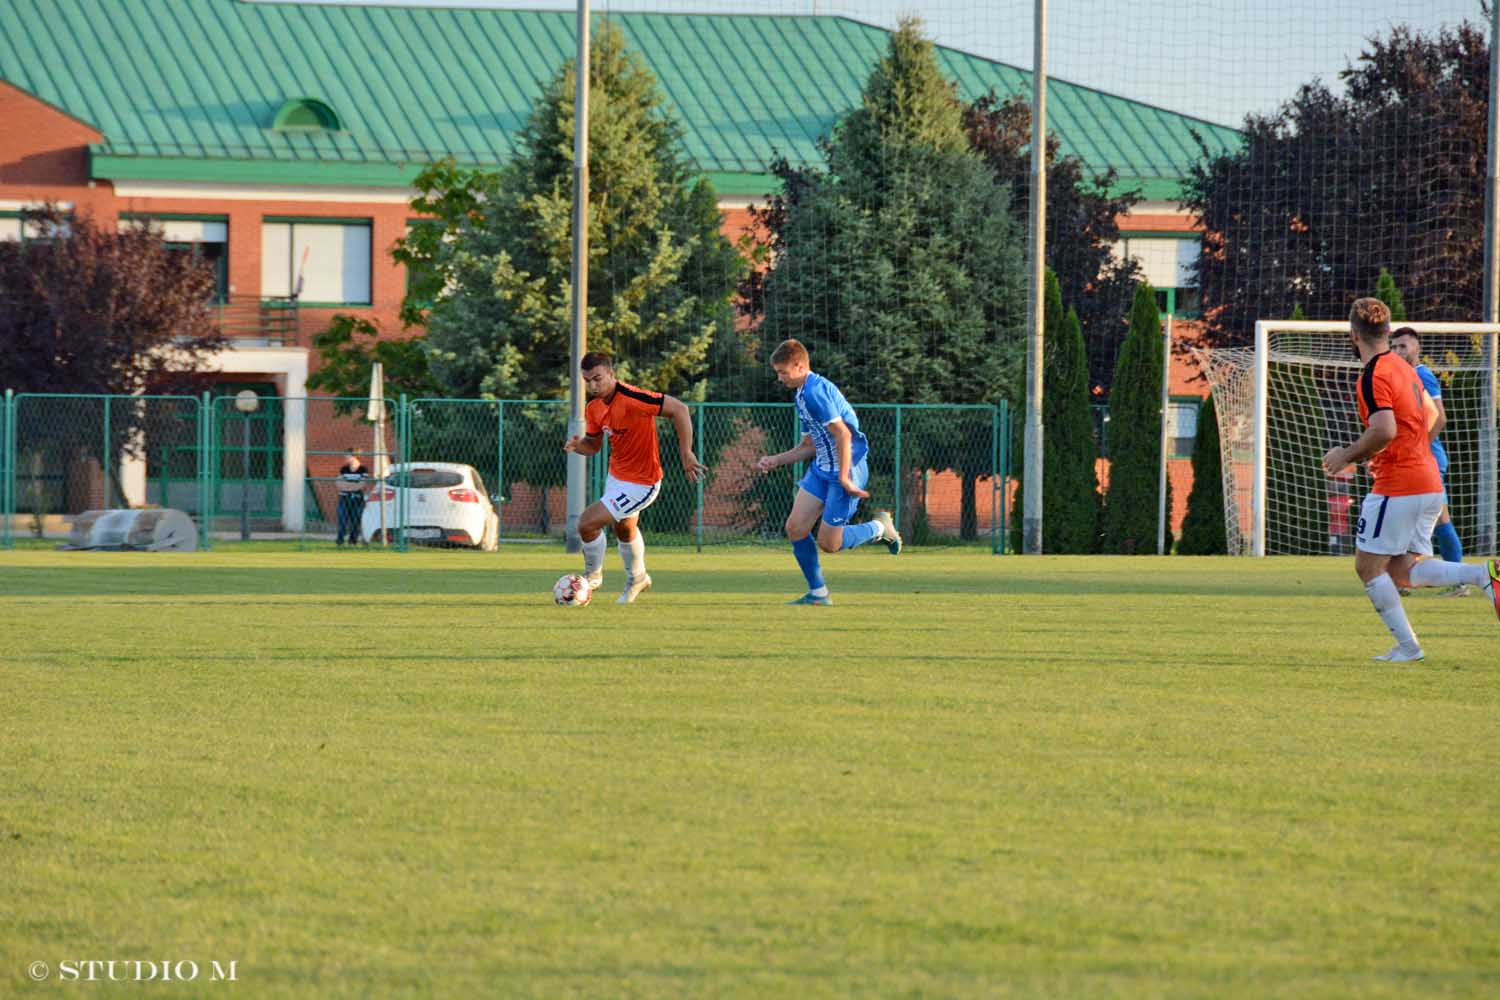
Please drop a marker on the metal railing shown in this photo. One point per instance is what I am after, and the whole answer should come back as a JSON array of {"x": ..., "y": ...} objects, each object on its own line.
[{"x": 250, "y": 318}]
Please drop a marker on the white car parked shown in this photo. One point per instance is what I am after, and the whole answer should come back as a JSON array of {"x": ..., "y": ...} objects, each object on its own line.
[{"x": 445, "y": 504}]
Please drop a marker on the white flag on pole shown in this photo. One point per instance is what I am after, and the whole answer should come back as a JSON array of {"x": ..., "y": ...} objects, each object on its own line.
[{"x": 375, "y": 413}]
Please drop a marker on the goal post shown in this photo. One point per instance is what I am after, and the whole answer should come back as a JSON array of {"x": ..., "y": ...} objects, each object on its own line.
[{"x": 1284, "y": 402}]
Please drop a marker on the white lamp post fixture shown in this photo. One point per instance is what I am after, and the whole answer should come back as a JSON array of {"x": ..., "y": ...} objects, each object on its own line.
[{"x": 247, "y": 402}]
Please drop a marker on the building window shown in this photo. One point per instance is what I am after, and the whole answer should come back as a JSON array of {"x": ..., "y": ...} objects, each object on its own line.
[
  {"x": 207, "y": 236},
  {"x": 16, "y": 228},
  {"x": 1166, "y": 261},
  {"x": 1182, "y": 427},
  {"x": 322, "y": 262},
  {"x": 1182, "y": 302}
]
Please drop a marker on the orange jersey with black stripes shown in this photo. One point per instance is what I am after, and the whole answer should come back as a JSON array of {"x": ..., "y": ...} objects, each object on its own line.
[
  {"x": 628, "y": 419},
  {"x": 1405, "y": 466}
]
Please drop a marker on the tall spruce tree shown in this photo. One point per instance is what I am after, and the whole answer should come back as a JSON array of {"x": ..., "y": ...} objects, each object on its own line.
[
  {"x": 1387, "y": 292},
  {"x": 900, "y": 266},
  {"x": 1071, "y": 500},
  {"x": 491, "y": 265},
  {"x": 1130, "y": 505},
  {"x": 494, "y": 266},
  {"x": 1203, "y": 527}
]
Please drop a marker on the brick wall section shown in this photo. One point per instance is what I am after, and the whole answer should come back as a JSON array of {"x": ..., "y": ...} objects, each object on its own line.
[{"x": 44, "y": 153}]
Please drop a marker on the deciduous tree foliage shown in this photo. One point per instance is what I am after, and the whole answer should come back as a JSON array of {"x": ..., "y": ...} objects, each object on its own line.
[
  {"x": 89, "y": 309},
  {"x": 1333, "y": 186},
  {"x": 95, "y": 310}
]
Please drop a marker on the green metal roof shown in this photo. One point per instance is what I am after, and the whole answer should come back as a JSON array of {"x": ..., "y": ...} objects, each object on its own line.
[{"x": 190, "y": 89}]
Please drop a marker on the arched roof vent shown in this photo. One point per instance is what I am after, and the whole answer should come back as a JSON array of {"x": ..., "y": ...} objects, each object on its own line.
[{"x": 306, "y": 114}]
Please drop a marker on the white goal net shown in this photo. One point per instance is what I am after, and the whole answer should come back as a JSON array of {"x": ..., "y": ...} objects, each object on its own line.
[{"x": 1282, "y": 404}]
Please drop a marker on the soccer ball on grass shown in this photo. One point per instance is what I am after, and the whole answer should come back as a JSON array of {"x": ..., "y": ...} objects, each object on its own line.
[{"x": 572, "y": 591}]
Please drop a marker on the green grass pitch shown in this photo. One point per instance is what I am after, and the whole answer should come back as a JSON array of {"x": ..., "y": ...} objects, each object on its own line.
[{"x": 370, "y": 775}]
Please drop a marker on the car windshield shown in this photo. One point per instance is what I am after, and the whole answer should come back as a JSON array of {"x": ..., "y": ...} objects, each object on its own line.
[{"x": 425, "y": 479}]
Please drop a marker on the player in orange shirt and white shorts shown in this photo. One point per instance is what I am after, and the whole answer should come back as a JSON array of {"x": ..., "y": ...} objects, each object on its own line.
[
  {"x": 1396, "y": 520},
  {"x": 626, "y": 416}
]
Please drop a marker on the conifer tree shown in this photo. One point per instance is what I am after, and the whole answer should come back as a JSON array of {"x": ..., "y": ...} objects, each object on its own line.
[
  {"x": 900, "y": 266},
  {"x": 494, "y": 267},
  {"x": 1070, "y": 494},
  {"x": 1130, "y": 505},
  {"x": 1203, "y": 527},
  {"x": 1387, "y": 292}
]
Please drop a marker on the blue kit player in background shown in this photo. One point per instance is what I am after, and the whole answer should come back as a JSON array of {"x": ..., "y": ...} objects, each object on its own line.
[
  {"x": 835, "y": 450},
  {"x": 1408, "y": 347}
]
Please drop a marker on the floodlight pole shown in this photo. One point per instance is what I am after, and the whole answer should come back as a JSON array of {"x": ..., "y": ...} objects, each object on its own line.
[
  {"x": 577, "y": 464},
  {"x": 1489, "y": 475},
  {"x": 1031, "y": 521}
]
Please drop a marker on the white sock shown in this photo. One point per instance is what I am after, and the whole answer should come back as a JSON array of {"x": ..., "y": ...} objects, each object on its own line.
[
  {"x": 633, "y": 553},
  {"x": 593, "y": 555},
  {"x": 1436, "y": 573},
  {"x": 1382, "y": 593}
]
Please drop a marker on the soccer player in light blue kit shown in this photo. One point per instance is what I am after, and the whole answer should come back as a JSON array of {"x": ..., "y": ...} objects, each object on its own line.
[
  {"x": 836, "y": 474},
  {"x": 1408, "y": 347}
]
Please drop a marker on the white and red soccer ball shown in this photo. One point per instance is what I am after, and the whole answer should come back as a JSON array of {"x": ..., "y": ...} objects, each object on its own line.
[{"x": 572, "y": 591}]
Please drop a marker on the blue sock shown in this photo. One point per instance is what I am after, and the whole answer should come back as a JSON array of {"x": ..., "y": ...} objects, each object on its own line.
[
  {"x": 806, "y": 551},
  {"x": 1446, "y": 537},
  {"x": 857, "y": 534}
]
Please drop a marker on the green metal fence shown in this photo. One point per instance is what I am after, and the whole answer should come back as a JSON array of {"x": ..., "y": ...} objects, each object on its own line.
[
  {"x": 260, "y": 466},
  {"x": 64, "y": 454}
]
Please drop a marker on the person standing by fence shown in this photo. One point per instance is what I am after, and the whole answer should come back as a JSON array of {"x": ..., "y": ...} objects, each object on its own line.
[{"x": 351, "y": 487}]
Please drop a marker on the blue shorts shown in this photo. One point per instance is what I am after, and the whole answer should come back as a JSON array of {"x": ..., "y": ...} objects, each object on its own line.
[{"x": 838, "y": 506}]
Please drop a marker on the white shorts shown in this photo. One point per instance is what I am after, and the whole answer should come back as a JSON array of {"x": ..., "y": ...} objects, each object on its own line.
[
  {"x": 1394, "y": 526},
  {"x": 624, "y": 499}
]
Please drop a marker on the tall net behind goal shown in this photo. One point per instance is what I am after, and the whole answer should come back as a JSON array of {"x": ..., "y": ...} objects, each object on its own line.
[{"x": 1278, "y": 418}]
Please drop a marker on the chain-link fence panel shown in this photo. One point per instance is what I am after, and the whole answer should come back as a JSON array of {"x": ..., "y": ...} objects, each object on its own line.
[
  {"x": 279, "y": 466},
  {"x": 740, "y": 503},
  {"x": 462, "y": 472},
  {"x": 67, "y": 454},
  {"x": 937, "y": 468},
  {"x": 515, "y": 451}
]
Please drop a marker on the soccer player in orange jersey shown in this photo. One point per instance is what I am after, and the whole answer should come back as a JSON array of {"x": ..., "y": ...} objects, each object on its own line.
[
  {"x": 1396, "y": 520},
  {"x": 627, "y": 416}
]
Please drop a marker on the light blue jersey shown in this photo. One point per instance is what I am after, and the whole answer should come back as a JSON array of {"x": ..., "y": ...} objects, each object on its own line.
[
  {"x": 818, "y": 403},
  {"x": 1435, "y": 390}
]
